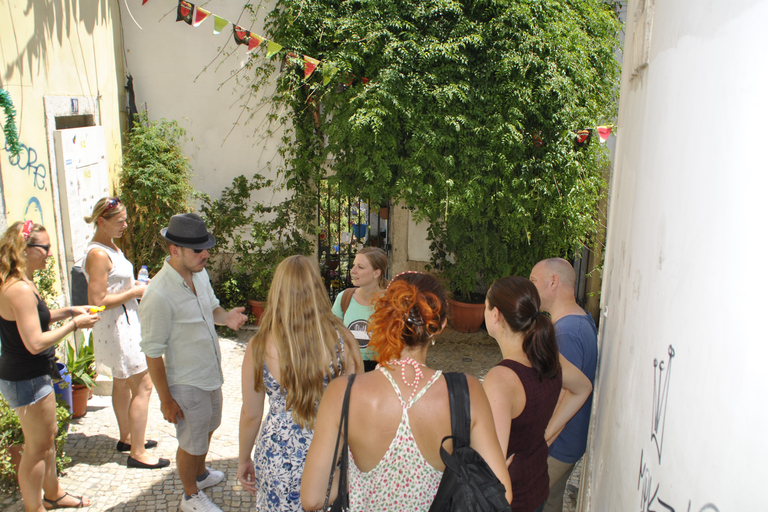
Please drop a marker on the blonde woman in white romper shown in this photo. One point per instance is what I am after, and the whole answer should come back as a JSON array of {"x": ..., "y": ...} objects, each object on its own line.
[{"x": 116, "y": 338}]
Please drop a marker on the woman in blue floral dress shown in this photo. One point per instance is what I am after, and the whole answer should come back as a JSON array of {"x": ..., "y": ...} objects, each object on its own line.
[{"x": 299, "y": 348}]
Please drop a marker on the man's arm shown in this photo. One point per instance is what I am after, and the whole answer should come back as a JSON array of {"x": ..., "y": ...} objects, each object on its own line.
[
  {"x": 169, "y": 407},
  {"x": 234, "y": 319}
]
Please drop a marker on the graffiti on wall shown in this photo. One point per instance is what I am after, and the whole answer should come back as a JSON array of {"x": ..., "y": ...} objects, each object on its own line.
[
  {"x": 26, "y": 160},
  {"x": 651, "y": 500}
]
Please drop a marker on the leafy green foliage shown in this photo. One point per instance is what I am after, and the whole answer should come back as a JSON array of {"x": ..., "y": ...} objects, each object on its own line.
[
  {"x": 251, "y": 239},
  {"x": 11, "y": 434},
  {"x": 81, "y": 362},
  {"x": 468, "y": 117},
  {"x": 9, "y": 128},
  {"x": 155, "y": 185}
]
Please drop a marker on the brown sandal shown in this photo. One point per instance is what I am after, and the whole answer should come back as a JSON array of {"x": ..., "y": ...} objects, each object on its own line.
[{"x": 54, "y": 504}]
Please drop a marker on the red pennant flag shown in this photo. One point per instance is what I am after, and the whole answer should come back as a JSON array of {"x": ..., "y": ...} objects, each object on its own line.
[
  {"x": 364, "y": 80},
  {"x": 310, "y": 65},
  {"x": 144, "y": 1},
  {"x": 200, "y": 16},
  {"x": 242, "y": 36},
  {"x": 184, "y": 12},
  {"x": 604, "y": 132},
  {"x": 583, "y": 137},
  {"x": 254, "y": 41}
]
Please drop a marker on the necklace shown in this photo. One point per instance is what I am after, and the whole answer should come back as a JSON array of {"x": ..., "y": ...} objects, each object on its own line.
[{"x": 418, "y": 374}]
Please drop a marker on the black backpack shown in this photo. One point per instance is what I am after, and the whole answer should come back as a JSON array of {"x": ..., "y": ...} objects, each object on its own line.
[{"x": 468, "y": 484}]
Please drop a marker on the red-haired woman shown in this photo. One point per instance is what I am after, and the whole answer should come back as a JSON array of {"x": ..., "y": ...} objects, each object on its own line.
[
  {"x": 28, "y": 361},
  {"x": 524, "y": 387},
  {"x": 399, "y": 414}
]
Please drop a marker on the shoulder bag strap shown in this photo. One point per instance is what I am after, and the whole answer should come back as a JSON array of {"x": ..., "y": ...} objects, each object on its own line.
[
  {"x": 346, "y": 298},
  {"x": 343, "y": 424},
  {"x": 461, "y": 416}
]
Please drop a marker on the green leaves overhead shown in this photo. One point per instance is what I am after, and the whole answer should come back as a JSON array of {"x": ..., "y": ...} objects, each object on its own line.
[{"x": 469, "y": 108}]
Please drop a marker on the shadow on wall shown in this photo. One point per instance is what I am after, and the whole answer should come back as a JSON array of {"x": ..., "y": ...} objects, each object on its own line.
[{"x": 53, "y": 21}]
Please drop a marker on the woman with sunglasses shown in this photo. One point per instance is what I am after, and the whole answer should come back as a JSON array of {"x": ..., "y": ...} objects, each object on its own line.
[
  {"x": 116, "y": 339},
  {"x": 28, "y": 361}
]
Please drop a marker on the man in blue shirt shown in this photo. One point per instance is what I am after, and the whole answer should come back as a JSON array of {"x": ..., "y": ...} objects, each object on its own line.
[{"x": 576, "y": 335}]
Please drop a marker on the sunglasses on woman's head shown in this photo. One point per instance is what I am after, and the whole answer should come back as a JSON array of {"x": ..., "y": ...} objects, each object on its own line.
[{"x": 111, "y": 203}]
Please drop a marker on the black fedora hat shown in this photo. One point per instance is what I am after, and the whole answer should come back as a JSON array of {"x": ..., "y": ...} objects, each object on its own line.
[{"x": 188, "y": 230}]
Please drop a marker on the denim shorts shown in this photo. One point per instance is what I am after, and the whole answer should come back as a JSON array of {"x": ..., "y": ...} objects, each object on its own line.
[{"x": 26, "y": 392}]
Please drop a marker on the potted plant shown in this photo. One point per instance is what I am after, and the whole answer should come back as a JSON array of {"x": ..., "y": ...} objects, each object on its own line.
[
  {"x": 251, "y": 240},
  {"x": 82, "y": 370},
  {"x": 12, "y": 440}
]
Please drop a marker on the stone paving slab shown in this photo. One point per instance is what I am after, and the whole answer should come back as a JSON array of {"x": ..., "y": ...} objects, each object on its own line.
[{"x": 100, "y": 472}]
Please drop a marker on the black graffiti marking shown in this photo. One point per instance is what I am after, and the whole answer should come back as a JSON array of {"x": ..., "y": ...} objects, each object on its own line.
[
  {"x": 27, "y": 160},
  {"x": 668, "y": 507},
  {"x": 709, "y": 506},
  {"x": 660, "y": 396}
]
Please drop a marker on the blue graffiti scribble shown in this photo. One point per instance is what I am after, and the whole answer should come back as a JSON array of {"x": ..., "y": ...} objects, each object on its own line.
[{"x": 27, "y": 160}]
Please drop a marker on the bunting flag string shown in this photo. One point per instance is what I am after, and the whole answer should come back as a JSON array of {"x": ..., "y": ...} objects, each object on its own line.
[{"x": 195, "y": 16}]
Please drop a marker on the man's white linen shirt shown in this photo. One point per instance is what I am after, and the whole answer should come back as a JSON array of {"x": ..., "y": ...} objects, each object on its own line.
[{"x": 178, "y": 324}]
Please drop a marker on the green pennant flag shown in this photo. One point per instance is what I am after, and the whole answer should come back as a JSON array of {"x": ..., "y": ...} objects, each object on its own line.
[
  {"x": 328, "y": 71},
  {"x": 218, "y": 24},
  {"x": 273, "y": 48}
]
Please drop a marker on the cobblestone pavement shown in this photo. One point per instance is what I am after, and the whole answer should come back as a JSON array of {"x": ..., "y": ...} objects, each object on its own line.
[{"x": 100, "y": 473}]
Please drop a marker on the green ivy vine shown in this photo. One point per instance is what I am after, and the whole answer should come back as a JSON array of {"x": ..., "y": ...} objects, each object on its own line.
[{"x": 9, "y": 128}]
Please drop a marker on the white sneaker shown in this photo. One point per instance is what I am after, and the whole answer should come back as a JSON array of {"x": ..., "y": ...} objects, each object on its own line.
[
  {"x": 213, "y": 478},
  {"x": 198, "y": 503}
]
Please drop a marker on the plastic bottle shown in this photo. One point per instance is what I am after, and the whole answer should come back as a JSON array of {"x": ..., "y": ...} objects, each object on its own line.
[{"x": 143, "y": 275}]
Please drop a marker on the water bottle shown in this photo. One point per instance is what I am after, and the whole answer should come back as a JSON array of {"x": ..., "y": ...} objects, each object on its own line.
[{"x": 143, "y": 275}]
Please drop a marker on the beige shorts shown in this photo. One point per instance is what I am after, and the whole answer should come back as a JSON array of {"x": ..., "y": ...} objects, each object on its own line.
[{"x": 202, "y": 415}]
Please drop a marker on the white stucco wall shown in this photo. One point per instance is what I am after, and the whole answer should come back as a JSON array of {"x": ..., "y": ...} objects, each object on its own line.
[
  {"x": 684, "y": 268},
  {"x": 167, "y": 60}
]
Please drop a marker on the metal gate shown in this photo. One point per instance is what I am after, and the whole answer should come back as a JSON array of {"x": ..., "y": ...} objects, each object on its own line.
[{"x": 347, "y": 224}]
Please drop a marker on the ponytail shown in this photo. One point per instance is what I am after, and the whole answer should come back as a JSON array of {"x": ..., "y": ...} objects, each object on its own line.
[{"x": 518, "y": 302}]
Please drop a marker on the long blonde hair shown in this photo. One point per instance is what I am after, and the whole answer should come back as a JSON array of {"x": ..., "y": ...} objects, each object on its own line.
[
  {"x": 305, "y": 332},
  {"x": 13, "y": 261}
]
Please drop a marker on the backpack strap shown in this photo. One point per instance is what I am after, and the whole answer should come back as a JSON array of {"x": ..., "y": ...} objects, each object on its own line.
[
  {"x": 346, "y": 298},
  {"x": 458, "y": 395}
]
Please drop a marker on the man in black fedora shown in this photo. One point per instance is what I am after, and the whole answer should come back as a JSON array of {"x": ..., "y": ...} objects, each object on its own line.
[{"x": 178, "y": 315}]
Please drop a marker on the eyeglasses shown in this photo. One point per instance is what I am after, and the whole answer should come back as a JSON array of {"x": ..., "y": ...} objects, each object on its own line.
[
  {"x": 46, "y": 247},
  {"x": 198, "y": 251},
  {"x": 111, "y": 203}
]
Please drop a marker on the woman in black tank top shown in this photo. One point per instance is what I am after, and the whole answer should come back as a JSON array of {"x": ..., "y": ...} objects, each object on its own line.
[{"x": 27, "y": 360}]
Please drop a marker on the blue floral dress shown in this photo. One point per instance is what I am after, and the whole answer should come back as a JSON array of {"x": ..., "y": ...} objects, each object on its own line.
[{"x": 281, "y": 450}]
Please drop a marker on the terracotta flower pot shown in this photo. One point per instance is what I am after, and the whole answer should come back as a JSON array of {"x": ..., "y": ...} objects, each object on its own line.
[
  {"x": 257, "y": 308},
  {"x": 466, "y": 317},
  {"x": 80, "y": 396}
]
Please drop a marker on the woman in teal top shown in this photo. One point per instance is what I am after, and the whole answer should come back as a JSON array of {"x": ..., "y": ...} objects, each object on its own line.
[{"x": 355, "y": 305}]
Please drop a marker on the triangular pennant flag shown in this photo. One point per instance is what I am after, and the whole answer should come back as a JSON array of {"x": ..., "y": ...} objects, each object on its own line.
[
  {"x": 200, "y": 16},
  {"x": 218, "y": 24},
  {"x": 604, "y": 132},
  {"x": 309, "y": 66},
  {"x": 144, "y": 1},
  {"x": 254, "y": 41},
  {"x": 328, "y": 71},
  {"x": 242, "y": 36},
  {"x": 184, "y": 11},
  {"x": 583, "y": 137},
  {"x": 273, "y": 48}
]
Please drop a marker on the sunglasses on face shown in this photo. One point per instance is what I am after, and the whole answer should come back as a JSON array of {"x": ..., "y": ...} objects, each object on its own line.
[{"x": 46, "y": 247}]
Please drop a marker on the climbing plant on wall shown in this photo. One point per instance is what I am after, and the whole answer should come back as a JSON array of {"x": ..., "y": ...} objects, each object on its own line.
[
  {"x": 9, "y": 127},
  {"x": 466, "y": 111}
]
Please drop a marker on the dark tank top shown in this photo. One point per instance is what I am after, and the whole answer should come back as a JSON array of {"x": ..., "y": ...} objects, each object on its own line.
[
  {"x": 528, "y": 471},
  {"x": 16, "y": 362}
]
